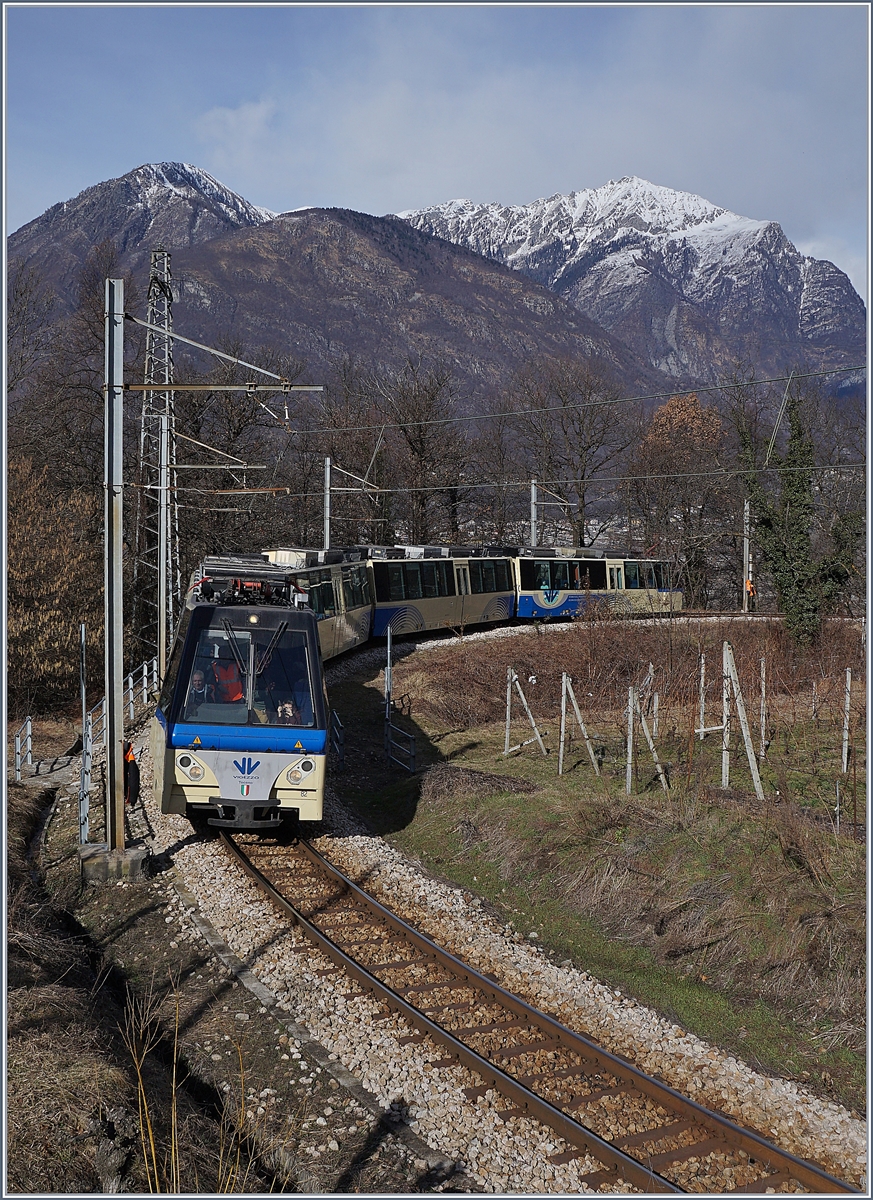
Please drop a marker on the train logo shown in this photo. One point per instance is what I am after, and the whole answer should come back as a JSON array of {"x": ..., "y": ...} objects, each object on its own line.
[
  {"x": 246, "y": 767},
  {"x": 244, "y": 789}
]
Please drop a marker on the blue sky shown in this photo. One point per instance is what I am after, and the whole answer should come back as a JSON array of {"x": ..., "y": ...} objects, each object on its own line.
[{"x": 761, "y": 109}]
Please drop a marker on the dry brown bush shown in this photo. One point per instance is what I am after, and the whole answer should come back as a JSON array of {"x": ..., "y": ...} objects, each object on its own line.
[
  {"x": 446, "y": 782},
  {"x": 466, "y": 682},
  {"x": 55, "y": 581}
]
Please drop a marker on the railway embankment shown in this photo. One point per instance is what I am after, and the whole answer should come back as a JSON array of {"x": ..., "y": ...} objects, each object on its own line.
[{"x": 124, "y": 995}]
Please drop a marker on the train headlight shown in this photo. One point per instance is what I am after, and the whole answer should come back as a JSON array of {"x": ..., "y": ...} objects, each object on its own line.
[
  {"x": 296, "y": 773},
  {"x": 190, "y": 767}
]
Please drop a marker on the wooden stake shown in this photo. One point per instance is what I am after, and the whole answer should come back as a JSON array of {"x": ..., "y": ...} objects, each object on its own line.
[{"x": 630, "y": 741}]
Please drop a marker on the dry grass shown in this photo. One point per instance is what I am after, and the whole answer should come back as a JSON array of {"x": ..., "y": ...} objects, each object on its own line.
[
  {"x": 762, "y": 903},
  {"x": 446, "y": 782}
]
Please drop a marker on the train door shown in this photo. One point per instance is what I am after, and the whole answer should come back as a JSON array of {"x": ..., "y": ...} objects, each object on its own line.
[
  {"x": 616, "y": 581},
  {"x": 462, "y": 587}
]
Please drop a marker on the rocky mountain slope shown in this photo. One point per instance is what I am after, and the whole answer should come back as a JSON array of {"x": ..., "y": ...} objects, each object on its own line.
[
  {"x": 690, "y": 287},
  {"x": 171, "y": 204},
  {"x": 321, "y": 284}
]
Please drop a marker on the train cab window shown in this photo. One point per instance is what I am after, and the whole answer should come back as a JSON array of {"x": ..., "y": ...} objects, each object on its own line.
[
  {"x": 168, "y": 683},
  {"x": 632, "y": 575},
  {"x": 243, "y": 676}
]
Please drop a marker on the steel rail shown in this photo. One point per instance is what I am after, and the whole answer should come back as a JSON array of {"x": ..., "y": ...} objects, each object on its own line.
[{"x": 777, "y": 1163}]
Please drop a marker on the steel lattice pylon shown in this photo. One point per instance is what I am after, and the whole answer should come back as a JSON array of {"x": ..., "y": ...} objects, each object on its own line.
[{"x": 156, "y": 576}]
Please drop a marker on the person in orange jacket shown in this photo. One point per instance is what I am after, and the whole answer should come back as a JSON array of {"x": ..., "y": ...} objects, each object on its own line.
[{"x": 131, "y": 775}]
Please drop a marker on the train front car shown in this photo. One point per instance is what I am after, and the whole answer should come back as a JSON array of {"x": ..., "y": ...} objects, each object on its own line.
[{"x": 240, "y": 730}]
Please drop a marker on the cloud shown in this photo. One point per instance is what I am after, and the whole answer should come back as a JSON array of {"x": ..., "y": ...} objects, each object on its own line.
[{"x": 237, "y": 137}]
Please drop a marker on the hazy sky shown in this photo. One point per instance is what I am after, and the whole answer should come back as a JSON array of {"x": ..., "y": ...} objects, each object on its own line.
[{"x": 762, "y": 109}]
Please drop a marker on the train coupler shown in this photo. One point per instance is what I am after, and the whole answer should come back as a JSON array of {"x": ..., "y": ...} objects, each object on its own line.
[{"x": 245, "y": 815}]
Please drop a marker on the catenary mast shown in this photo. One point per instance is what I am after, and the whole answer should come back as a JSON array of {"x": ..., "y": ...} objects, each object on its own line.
[{"x": 157, "y": 576}]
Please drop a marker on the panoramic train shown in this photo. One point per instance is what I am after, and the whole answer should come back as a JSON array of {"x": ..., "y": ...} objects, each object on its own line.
[{"x": 241, "y": 726}]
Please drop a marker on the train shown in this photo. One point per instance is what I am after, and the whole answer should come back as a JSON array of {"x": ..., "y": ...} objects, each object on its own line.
[{"x": 240, "y": 731}]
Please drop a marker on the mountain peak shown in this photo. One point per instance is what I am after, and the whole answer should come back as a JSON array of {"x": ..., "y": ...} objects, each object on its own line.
[{"x": 189, "y": 182}]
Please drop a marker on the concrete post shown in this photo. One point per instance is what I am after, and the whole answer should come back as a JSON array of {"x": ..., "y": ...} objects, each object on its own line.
[{"x": 113, "y": 550}]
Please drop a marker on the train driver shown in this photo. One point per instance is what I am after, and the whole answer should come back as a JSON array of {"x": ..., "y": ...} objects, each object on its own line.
[
  {"x": 227, "y": 683},
  {"x": 287, "y": 690}
]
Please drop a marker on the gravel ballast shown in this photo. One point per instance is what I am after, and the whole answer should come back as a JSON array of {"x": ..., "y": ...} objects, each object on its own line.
[{"x": 497, "y": 1155}]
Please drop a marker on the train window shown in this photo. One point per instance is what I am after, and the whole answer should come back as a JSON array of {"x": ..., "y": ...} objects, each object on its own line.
[
  {"x": 355, "y": 587},
  {"x": 503, "y": 582},
  {"x": 429, "y": 580},
  {"x": 647, "y": 575},
  {"x": 484, "y": 575},
  {"x": 534, "y": 575},
  {"x": 241, "y": 676},
  {"x": 560, "y": 576},
  {"x": 412, "y": 580},
  {"x": 592, "y": 575},
  {"x": 169, "y": 681},
  {"x": 616, "y": 581},
  {"x": 632, "y": 575},
  {"x": 445, "y": 578}
]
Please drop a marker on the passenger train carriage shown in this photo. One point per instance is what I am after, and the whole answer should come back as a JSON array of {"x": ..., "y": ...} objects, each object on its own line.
[
  {"x": 240, "y": 730},
  {"x": 241, "y": 726},
  {"x": 560, "y": 582}
]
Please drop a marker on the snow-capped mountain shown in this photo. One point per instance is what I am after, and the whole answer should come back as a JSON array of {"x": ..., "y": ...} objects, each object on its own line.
[
  {"x": 316, "y": 284},
  {"x": 172, "y": 204},
  {"x": 691, "y": 287}
]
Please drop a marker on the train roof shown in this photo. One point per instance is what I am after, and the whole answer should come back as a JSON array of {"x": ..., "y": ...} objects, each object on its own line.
[{"x": 299, "y": 558}]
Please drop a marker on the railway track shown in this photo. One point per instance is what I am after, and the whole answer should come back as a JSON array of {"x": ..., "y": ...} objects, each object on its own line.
[{"x": 630, "y": 1128}]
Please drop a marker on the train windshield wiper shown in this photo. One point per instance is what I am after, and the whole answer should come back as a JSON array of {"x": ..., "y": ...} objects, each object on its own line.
[
  {"x": 234, "y": 645},
  {"x": 265, "y": 657}
]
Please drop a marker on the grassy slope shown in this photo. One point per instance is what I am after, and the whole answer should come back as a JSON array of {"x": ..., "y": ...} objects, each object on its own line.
[{"x": 743, "y": 922}]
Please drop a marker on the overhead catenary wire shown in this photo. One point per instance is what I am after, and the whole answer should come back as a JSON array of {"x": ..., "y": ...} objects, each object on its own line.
[
  {"x": 562, "y": 408},
  {"x": 525, "y": 483}
]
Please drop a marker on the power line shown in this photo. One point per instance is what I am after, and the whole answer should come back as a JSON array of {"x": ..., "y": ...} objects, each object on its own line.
[
  {"x": 522, "y": 412},
  {"x": 525, "y": 483}
]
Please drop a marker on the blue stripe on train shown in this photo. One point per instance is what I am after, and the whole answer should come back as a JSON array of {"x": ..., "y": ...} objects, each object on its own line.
[
  {"x": 528, "y": 606},
  {"x": 264, "y": 739}
]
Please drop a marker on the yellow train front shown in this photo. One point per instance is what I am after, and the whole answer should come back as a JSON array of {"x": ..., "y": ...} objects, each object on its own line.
[{"x": 240, "y": 730}]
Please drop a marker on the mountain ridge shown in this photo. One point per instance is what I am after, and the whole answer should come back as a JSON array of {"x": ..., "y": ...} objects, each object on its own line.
[
  {"x": 689, "y": 286},
  {"x": 664, "y": 285}
]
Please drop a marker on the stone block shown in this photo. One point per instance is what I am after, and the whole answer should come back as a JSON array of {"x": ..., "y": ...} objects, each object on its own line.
[{"x": 102, "y": 865}]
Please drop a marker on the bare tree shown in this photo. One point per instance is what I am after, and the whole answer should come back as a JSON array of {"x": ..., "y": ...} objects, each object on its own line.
[
  {"x": 683, "y": 494},
  {"x": 572, "y": 430},
  {"x": 418, "y": 404}
]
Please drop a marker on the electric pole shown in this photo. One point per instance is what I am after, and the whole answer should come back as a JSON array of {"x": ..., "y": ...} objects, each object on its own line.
[{"x": 157, "y": 576}]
